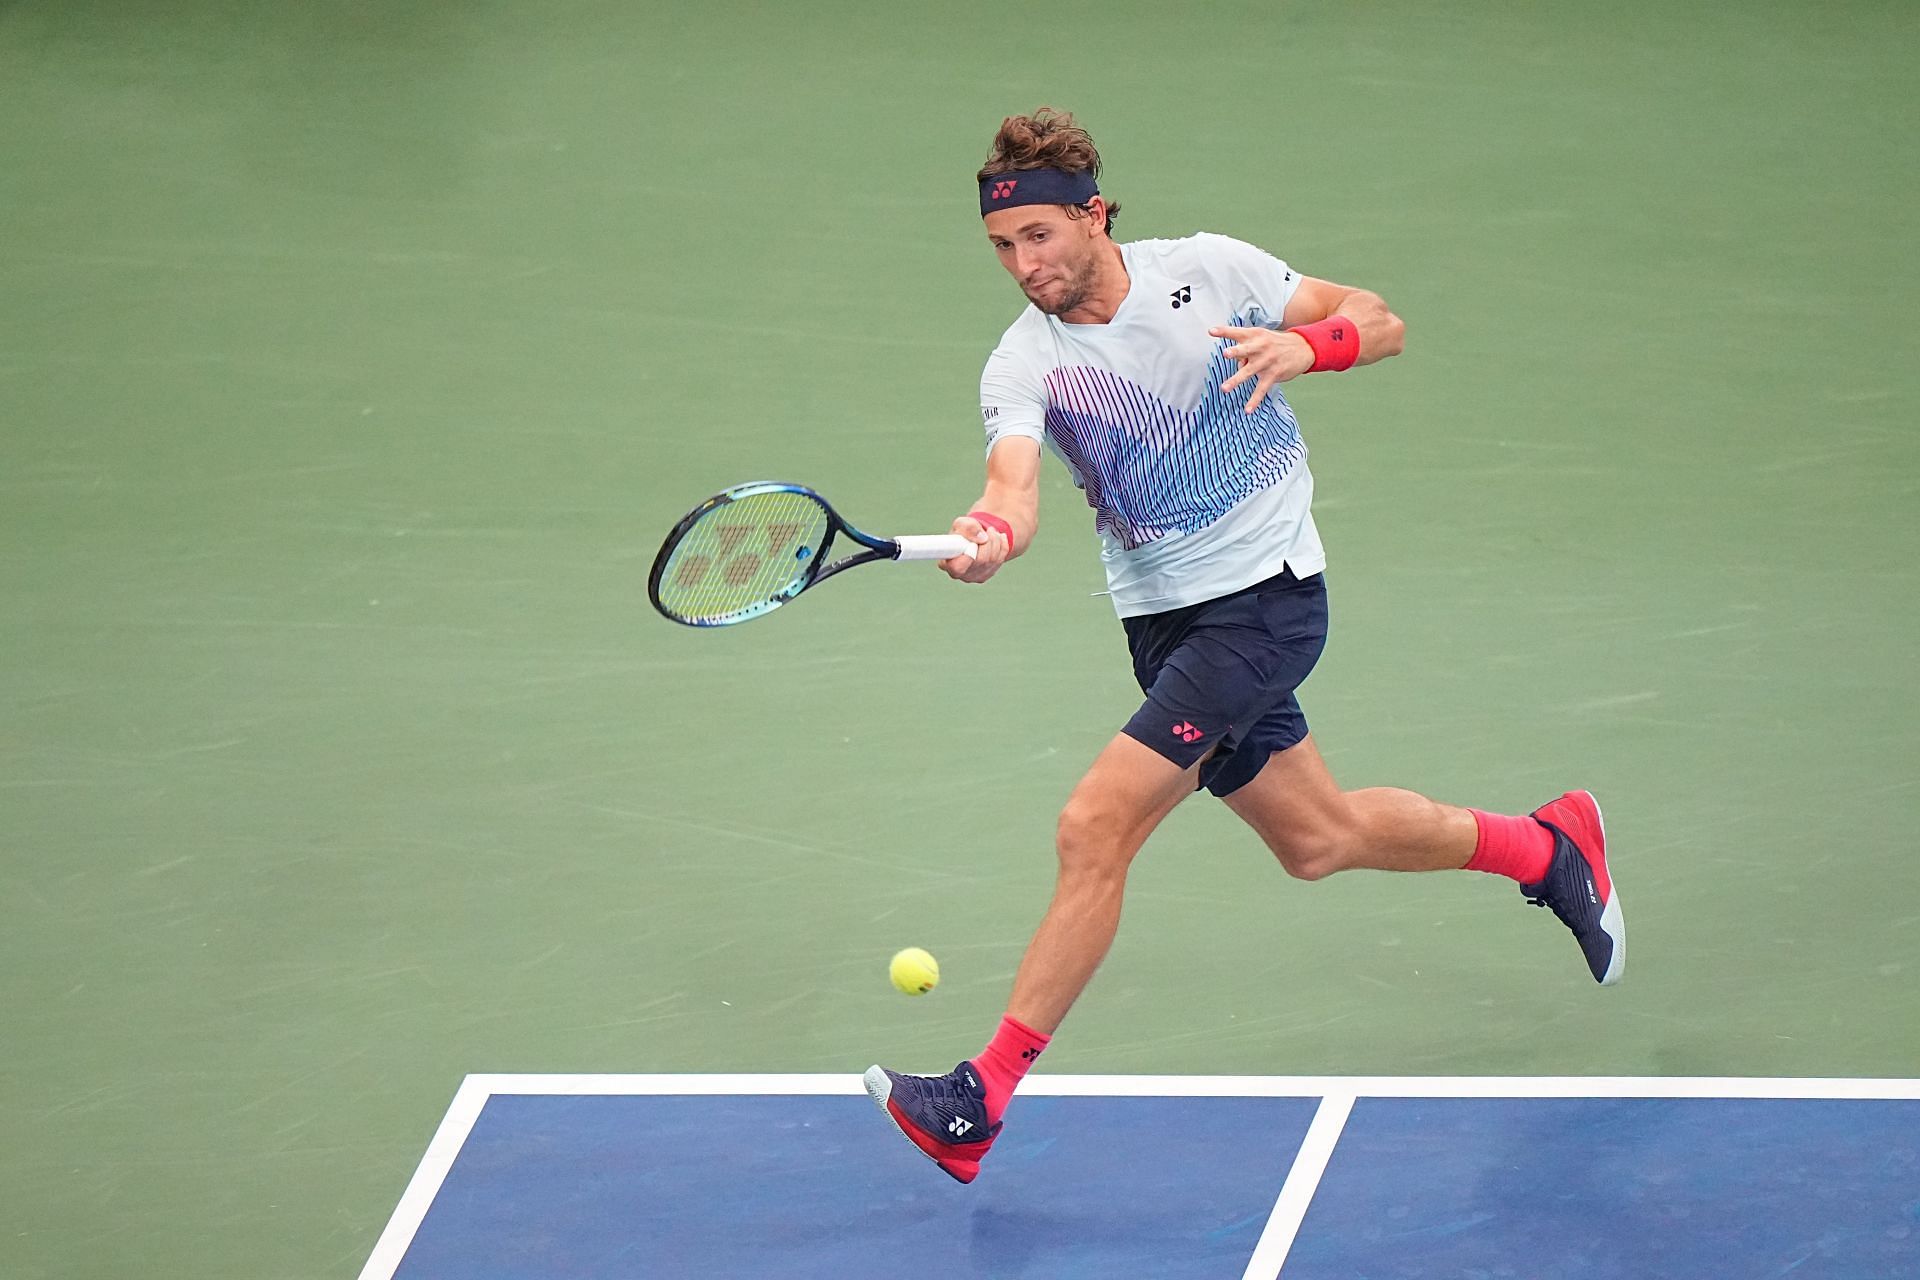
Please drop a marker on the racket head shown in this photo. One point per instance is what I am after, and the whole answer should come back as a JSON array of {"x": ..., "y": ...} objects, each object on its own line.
[{"x": 742, "y": 553}]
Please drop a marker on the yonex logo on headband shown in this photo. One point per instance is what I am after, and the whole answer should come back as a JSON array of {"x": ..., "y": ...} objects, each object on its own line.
[{"x": 1035, "y": 186}]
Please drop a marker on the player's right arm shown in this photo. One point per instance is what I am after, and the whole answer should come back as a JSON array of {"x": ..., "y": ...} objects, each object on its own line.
[
  {"x": 1013, "y": 494},
  {"x": 1013, "y": 414}
]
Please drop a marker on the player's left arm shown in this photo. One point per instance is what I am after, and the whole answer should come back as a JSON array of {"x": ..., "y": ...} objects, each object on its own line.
[
  {"x": 1328, "y": 326},
  {"x": 1381, "y": 332}
]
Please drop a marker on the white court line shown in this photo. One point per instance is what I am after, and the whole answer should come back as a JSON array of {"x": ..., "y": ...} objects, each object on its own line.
[
  {"x": 1103, "y": 1086},
  {"x": 475, "y": 1091},
  {"x": 425, "y": 1184},
  {"x": 1302, "y": 1181}
]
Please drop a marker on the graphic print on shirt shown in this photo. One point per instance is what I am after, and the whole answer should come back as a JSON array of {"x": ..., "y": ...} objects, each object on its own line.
[{"x": 1149, "y": 469}]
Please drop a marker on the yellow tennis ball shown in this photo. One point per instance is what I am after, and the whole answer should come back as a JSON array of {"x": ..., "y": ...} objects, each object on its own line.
[{"x": 914, "y": 971}]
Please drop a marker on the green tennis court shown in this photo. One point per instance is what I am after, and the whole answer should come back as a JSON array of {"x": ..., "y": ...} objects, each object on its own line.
[{"x": 355, "y": 357}]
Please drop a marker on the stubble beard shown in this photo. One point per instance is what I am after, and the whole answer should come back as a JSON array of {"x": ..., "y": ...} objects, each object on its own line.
[{"x": 1077, "y": 288}]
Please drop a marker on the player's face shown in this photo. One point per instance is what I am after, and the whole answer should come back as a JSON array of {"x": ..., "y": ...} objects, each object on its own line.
[{"x": 1051, "y": 256}]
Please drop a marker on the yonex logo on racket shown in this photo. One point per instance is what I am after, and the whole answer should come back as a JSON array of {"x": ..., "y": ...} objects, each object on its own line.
[
  {"x": 738, "y": 564},
  {"x": 1187, "y": 733},
  {"x": 1001, "y": 190}
]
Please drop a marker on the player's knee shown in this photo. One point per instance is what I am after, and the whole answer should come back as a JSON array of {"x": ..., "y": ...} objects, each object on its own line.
[
  {"x": 1306, "y": 862},
  {"x": 1090, "y": 839},
  {"x": 1316, "y": 855}
]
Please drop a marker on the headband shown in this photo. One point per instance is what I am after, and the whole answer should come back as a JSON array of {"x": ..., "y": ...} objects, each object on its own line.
[{"x": 1035, "y": 186}]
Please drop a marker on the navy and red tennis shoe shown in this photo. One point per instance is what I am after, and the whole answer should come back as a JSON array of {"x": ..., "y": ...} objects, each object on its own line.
[
  {"x": 1578, "y": 888},
  {"x": 945, "y": 1116}
]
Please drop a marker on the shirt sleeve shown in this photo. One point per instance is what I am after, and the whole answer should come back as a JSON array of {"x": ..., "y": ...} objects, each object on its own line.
[
  {"x": 1262, "y": 284},
  {"x": 1011, "y": 401}
]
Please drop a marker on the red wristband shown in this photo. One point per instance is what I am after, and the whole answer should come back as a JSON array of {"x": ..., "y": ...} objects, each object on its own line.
[
  {"x": 1335, "y": 342},
  {"x": 993, "y": 521}
]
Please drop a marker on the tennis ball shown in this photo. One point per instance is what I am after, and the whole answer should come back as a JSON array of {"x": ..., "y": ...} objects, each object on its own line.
[{"x": 914, "y": 971}]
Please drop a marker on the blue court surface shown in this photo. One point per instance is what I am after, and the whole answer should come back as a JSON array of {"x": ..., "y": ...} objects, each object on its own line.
[{"x": 1359, "y": 1178}]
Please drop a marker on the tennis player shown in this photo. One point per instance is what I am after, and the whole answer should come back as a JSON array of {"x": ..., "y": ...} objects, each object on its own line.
[{"x": 1154, "y": 369}]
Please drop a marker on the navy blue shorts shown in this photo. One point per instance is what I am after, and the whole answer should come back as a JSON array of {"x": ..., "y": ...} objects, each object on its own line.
[{"x": 1220, "y": 676}]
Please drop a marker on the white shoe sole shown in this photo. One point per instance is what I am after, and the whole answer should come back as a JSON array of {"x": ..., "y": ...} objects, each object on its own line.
[{"x": 1613, "y": 921}]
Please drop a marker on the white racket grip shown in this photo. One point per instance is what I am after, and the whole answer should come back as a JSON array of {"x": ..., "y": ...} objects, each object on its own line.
[{"x": 934, "y": 546}]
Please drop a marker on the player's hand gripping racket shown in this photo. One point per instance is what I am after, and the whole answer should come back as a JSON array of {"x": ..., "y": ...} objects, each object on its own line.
[{"x": 749, "y": 549}]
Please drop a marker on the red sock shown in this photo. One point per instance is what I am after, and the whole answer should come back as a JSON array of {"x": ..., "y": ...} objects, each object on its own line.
[
  {"x": 1517, "y": 848},
  {"x": 1005, "y": 1060}
]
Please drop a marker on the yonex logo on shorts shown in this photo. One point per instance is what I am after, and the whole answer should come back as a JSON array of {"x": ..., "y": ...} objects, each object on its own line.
[
  {"x": 1001, "y": 190},
  {"x": 1187, "y": 733}
]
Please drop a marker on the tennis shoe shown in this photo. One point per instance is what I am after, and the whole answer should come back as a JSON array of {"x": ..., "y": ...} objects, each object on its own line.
[
  {"x": 945, "y": 1116},
  {"x": 1578, "y": 887}
]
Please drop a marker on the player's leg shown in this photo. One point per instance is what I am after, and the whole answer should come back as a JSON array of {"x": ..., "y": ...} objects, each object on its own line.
[
  {"x": 1315, "y": 829},
  {"x": 1557, "y": 854},
  {"x": 953, "y": 1118},
  {"x": 1123, "y": 797}
]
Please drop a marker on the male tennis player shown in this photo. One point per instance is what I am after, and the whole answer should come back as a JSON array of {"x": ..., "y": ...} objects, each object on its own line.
[{"x": 1154, "y": 370}]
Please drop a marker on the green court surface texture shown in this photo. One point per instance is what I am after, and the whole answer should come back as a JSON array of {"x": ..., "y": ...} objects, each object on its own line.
[{"x": 354, "y": 358}]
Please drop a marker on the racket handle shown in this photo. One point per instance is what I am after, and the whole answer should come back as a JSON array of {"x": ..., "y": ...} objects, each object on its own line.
[{"x": 933, "y": 546}]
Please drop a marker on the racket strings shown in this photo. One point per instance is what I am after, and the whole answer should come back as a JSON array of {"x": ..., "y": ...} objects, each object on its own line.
[{"x": 740, "y": 555}]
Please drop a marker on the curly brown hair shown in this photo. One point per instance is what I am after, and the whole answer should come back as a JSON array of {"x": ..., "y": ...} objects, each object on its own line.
[{"x": 1047, "y": 139}]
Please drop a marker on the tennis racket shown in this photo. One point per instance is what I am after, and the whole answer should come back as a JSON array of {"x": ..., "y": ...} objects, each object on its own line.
[{"x": 749, "y": 549}]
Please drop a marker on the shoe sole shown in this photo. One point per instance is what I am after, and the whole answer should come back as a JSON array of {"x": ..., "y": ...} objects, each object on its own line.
[
  {"x": 880, "y": 1089},
  {"x": 1613, "y": 921}
]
